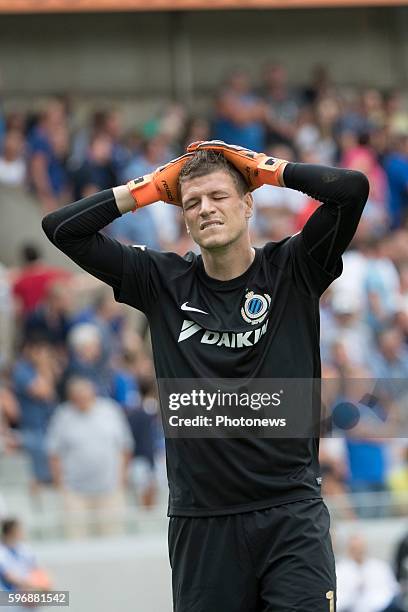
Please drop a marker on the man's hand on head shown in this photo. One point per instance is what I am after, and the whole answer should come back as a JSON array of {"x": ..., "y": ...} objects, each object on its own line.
[
  {"x": 162, "y": 184},
  {"x": 257, "y": 168}
]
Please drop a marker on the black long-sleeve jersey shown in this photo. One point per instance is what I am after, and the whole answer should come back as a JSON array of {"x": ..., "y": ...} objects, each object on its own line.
[{"x": 273, "y": 334}]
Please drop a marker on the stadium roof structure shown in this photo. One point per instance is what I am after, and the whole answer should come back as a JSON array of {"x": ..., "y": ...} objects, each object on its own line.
[{"x": 75, "y": 6}]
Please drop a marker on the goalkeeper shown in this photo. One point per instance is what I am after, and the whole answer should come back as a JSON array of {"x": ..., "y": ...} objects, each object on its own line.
[{"x": 248, "y": 531}]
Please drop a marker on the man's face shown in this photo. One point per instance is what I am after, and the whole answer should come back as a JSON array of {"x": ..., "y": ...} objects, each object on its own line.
[{"x": 215, "y": 213}]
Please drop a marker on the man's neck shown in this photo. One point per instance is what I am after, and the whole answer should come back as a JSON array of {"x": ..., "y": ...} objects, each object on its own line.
[{"x": 228, "y": 262}]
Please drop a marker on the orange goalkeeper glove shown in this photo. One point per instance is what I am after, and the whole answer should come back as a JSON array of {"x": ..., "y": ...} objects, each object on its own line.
[
  {"x": 257, "y": 168},
  {"x": 162, "y": 184}
]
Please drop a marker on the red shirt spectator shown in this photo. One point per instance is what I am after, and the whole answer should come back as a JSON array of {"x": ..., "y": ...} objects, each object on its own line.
[{"x": 31, "y": 284}]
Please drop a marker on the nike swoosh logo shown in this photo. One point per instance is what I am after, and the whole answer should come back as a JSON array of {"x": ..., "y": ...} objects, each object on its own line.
[{"x": 191, "y": 309}]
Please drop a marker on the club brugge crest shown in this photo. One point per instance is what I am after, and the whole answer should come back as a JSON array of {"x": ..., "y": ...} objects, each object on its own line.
[{"x": 255, "y": 307}]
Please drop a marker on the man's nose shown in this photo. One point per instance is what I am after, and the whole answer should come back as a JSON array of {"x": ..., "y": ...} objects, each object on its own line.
[{"x": 207, "y": 205}]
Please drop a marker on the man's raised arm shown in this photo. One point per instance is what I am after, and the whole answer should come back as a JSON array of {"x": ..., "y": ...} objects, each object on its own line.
[
  {"x": 330, "y": 229},
  {"x": 75, "y": 229}
]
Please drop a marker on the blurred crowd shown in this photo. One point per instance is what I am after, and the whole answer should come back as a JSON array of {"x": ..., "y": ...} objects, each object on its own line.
[{"x": 76, "y": 362}]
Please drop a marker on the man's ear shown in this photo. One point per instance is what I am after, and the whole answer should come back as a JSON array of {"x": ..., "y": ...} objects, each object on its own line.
[{"x": 249, "y": 205}]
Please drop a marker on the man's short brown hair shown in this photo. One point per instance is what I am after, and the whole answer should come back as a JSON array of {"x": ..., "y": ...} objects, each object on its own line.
[{"x": 207, "y": 161}]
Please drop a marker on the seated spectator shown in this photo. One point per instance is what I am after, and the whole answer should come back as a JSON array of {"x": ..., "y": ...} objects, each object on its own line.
[
  {"x": 125, "y": 383},
  {"x": 90, "y": 445},
  {"x": 348, "y": 331},
  {"x": 368, "y": 427},
  {"x": 396, "y": 114},
  {"x": 31, "y": 282},
  {"x": 86, "y": 358},
  {"x": 240, "y": 115},
  {"x": 142, "y": 468},
  {"x": 48, "y": 143},
  {"x": 353, "y": 121},
  {"x": 282, "y": 104},
  {"x": 34, "y": 380},
  {"x": 269, "y": 201},
  {"x": 97, "y": 172},
  {"x": 197, "y": 128},
  {"x": 13, "y": 168},
  {"x": 315, "y": 131},
  {"x": 363, "y": 582},
  {"x": 375, "y": 215},
  {"x": 390, "y": 362},
  {"x": 396, "y": 167},
  {"x": 320, "y": 85},
  {"x": 52, "y": 319},
  {"x": 382, "y": 285},
  {"x": 108, "y": 316},
  {"x": 143, "y": 226},
  {"x": 18, "y": 566}
]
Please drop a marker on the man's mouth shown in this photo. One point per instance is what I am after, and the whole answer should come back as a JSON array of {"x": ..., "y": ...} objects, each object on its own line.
[{"x": 206, "y": 224}]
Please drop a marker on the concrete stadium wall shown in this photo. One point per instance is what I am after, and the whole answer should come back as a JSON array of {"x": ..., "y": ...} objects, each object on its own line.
[{"x": 146, "y": 58}]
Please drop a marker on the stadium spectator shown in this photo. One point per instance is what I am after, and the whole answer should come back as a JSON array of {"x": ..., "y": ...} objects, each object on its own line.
[
  {"x": 87, "y": 359},
  {"x": 362, "y": 157},
  {"x": 396, "y": 114},
  {"x": 197, "y": 128},
  {"x": 142, "y": 468},
  {"x": 144, "y": 229},
  {"x": 90, "y": 445},
  {"x": 125, "y": 383},
  {"x": 18, "y": 565},
  {"x": 400, "y": 603},
  {"x": 396, "y": 167},
  {"x": 31, "y": 282},
  {"x": 368, "y": 426},
  {"x": 390, "y": 363},
  {"x": 97, "y": 172},
  {"x": 320, "y": 85},
  {"x": 240, "y": 115},
  {"x": 48, "y": 144},
  {"x": 382, "y": 285},
  {"x": 282, "y": 104},
  {"x": 272, "y": 204},
  {"x": 363, "y": 582},
  {"x": 51, "y": 320},
  {"x": 347, "y": 331},
  {"x": 13, "y": 169},
  {"x": 34, "y": 381},
  {"x": 314, "y": 133},
  {"x": 107, "y": 315}
]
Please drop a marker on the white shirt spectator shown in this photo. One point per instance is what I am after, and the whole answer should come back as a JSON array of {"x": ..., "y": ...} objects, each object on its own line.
[
  {"x": 268, "y": 196},
  {"x": 12, "y": 173},
  {"x": 352, "y": 280},
  {"x": 90, "y": 445},
  {"x": 369, "y": 586}
]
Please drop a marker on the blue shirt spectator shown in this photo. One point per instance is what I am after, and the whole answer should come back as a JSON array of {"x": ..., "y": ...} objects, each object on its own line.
[
  {"x": 35, "y": 409},
  {"x": 396, "y": 167}
]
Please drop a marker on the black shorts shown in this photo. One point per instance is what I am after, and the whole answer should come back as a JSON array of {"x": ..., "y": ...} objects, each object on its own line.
[{"x": 274, "y": 560}]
